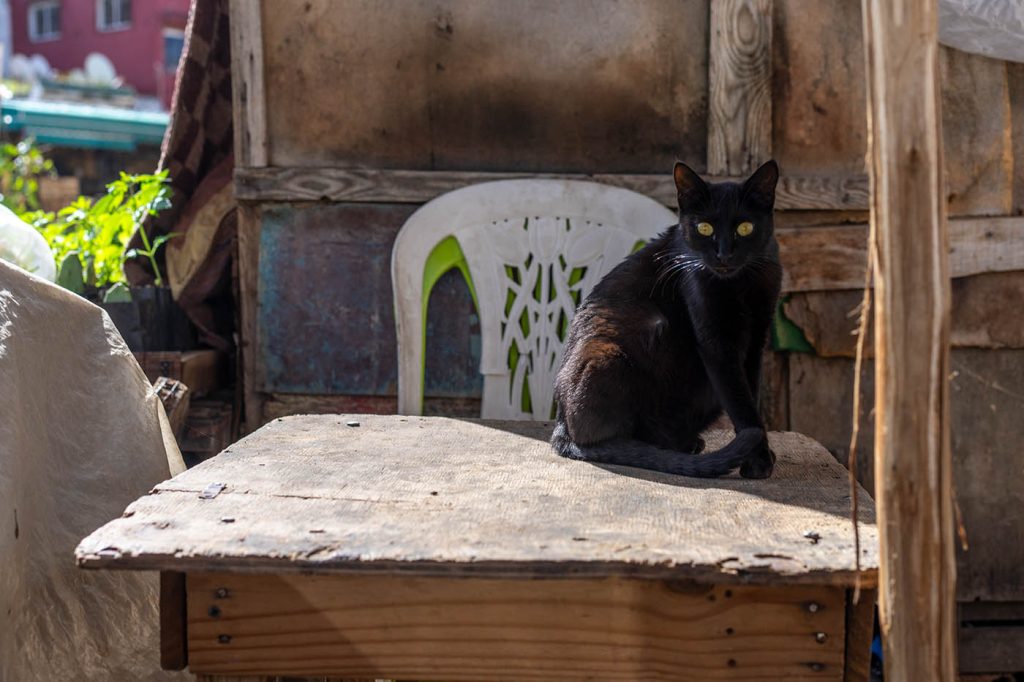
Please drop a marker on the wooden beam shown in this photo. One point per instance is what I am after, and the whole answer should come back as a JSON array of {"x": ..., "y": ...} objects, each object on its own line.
[
  {"x": 248, "y": 293},
  {"x": 860, "y": 621},
  {"x": 473, "y": 628},
  {"x": 828, "y": 258},
  {"x": 247, "y": 92},
  {"x": 416, "y": 187},
  {"x": 912, "y": 302},
  {"x": 173, "y": 639},
  {"x": 740, "y": 86}
]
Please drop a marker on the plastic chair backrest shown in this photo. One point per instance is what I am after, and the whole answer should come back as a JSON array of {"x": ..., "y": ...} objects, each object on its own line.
[{"x": 530, "y": 250}]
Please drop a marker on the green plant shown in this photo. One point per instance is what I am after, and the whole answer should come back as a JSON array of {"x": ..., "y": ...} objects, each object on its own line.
[
  {"x": 21, "y": 166},
  {"x": 97, "y": 232}
]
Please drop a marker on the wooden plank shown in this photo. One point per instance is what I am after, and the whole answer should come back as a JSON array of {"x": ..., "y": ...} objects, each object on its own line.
[
  {"x": 987, "y": 397},
  {"x": 860, "y": 622},
  {"x": 203, "y": 371},
  {"x": 991, "y": 649},
  {"x": 739, "y": 86},
  {"x": 173, "y": 639},
  {"x": 912, "y": 302},
  {"x": 1015, "y": 83},
  {"x": 818, "y": 259},
  {"x": 279, "y": 405},
  {"x": 848, "y": 192},
  {"x": 420, "y": 495},
  {"x": 979, "y": 318},
  {"x": 821, "y": 406},
  {"x": 818, "y": 97},
  {"x": 247, "y": 92},
  {"x": 980, "y": 612},
  {"x": 976, "y": 134},
  {"x": 174, "y": 396},
  {"x": 574, "y": 85},
  {"x": 477, "y": 628},
  {"x": 249, "y": 220}
]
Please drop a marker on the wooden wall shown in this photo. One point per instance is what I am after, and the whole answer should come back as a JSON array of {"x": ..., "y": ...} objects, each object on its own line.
[{"x": 351, "y": 114}]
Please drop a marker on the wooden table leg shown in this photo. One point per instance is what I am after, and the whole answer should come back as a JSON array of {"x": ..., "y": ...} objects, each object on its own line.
[
  {"x": 860, "y": 624},
  {"x": 173, "y": 641}
]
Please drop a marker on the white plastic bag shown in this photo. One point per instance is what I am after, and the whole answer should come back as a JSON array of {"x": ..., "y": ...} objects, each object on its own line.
[
  {"x": 994, "y": 28},
  {"x": 22, "y": 245}
]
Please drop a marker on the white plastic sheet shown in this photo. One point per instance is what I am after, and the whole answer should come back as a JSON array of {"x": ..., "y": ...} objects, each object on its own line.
[
  {"x": 994, "y": 28},
  {"x": 82, "y": 435},
  {"x": 22, "y": 245}
]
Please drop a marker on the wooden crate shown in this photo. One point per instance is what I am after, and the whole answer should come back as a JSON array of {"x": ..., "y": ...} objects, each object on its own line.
[
  {"x": 207, "y": 430},
  {"x": 203, "y": 371},
  {"x": 374, "y": 546}
]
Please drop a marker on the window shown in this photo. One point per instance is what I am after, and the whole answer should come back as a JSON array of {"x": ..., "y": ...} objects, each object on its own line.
[
  {"x": 174, "y": 43},
  {"x": 113, "y": 15},
  {"x": 44, "y": 21}
]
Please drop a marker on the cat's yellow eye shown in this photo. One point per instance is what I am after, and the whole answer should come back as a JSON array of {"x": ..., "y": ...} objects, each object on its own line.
[
  {"x": 745, "y": 229},
  {"x": 705, "y": 229}
]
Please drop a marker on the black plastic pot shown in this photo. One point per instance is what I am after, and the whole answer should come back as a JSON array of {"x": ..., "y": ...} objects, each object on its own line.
[{"x": 152, "y": 321}]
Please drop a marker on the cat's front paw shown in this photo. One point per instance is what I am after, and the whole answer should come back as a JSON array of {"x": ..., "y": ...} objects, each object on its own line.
[{"x": 760, "y": 464}]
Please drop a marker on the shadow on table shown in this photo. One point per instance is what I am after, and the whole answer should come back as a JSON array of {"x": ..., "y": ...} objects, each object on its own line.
[{"x": 815, "y": 482}]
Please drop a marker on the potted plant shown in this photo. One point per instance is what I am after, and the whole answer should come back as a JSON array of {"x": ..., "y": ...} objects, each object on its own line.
[{"x": 88, "y": 240}]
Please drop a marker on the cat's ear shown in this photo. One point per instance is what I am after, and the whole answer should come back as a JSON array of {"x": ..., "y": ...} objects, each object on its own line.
[
  {"x": 691, "y": 191},
  {"x": 759, "y": 189}
]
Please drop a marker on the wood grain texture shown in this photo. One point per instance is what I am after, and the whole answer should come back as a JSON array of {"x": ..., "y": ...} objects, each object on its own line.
[
  {"x": 1015, "y": 86},
  {"x": 279, "y": 405},
  {"x": 476, "y": 628},
  {"x": 429, "y": 495},
  {"x": 573, "y": 85},
  {"x": 739, "y": 86},
  {"x": 248, "y": 306},
  {"x": 247, "y": 91},
  {"x": 912, "y": 304},
  {"x": 818, "y": 96},
  {"x": 845, "y": 192},
  {"x": 987, "y": 397},
  {"x": 860, "y": 623},
  {"x": 173, "y": 641},
  {"x": 828, "y": 318},
  {"x": 993, "y": 649},
  {"x": 977, "y": 134},
  {"x": 818, "y": 259}
]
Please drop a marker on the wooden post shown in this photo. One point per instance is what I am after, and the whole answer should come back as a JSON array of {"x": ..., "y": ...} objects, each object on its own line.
[{"x": 912, "y": 294}]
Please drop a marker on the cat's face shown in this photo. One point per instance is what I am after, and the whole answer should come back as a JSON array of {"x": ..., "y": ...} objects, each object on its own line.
[{"x": 726, "y": 225}]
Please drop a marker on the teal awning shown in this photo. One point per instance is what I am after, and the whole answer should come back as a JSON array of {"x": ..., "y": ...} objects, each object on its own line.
[{"x": 68, "y": 124}]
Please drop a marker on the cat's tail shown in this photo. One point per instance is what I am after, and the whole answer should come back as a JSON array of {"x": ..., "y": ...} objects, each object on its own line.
[{"x": 635, "y": 453}]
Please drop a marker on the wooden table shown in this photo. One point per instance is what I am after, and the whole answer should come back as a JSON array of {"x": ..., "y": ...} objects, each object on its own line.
[{"x": 430, "y": 548}]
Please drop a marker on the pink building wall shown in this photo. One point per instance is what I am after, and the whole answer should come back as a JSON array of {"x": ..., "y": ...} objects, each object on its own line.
[{"x": 136, "y": 51}]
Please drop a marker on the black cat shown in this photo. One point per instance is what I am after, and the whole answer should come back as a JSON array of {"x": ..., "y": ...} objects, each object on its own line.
[{"x": 674, "y": 334}]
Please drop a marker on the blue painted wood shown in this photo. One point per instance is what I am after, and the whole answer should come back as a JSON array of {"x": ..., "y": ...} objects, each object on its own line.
[{"x": 326, "y": 318}]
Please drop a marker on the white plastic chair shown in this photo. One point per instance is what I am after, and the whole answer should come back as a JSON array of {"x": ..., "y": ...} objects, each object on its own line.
[{"x": 530, "y": 250}]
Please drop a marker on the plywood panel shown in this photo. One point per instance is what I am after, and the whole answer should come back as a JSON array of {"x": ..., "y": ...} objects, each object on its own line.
[
  {"x": 980, "y": 304},
  {"x": 430, "y": 496},
  {"x": 577, "y": 85},
  {"x": 474, "y": 629},
  {"x": 977, "y": 134},
  {"x": 986, "y": 400},
  {"x": 819, "y": 123}
]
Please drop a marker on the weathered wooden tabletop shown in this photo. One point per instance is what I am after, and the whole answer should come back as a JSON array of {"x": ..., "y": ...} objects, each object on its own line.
[{"x": 439, "y": 496}]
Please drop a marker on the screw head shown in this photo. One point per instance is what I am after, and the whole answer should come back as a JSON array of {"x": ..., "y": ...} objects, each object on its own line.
[
  {"x": 820, "y": 637},
  {"x": 214, "y": 611},
  {"x": 221, "y": 593},
  {"x": 224, "y": 639},
  {"x": 813, "y": 607}
]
